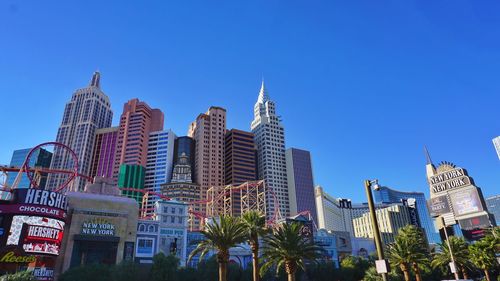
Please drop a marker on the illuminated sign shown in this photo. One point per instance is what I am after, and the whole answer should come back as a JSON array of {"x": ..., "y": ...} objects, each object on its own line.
[
  {"x": 29, "y": 201},
  {"x": 43, "y": 273},
  {"x": 449, "y": 180},
  {"x": 13, "y": 257},
  {"x": 482, "y": 221},
  {"x": 41, "y": 239},
  {"x": 98, "y": 227},
  {"x": 465, "y": 201},
  {"x": 30, "y": 232},
  {"x": 42, "y": 197},
  {"x": 438, "y": 206}
]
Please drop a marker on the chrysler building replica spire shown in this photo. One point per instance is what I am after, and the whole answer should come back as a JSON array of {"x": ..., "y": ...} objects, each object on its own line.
[{"x": 270, "y": 140}]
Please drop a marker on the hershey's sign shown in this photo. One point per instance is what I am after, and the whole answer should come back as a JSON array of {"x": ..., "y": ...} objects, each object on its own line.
[{"x": 42, "y": 197}]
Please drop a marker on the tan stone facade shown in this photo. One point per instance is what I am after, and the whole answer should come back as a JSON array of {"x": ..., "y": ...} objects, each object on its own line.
[{"x": 101, "y": 228}]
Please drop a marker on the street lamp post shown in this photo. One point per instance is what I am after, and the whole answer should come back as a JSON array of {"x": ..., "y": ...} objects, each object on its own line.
[
  {"x": 373, "y": 216},
  {"x": 453, "y": 264}
]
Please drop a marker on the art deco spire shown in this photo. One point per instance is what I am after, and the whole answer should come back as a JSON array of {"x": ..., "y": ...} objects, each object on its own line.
[
  {"x": 96, "y": 80},
  {"x": 263, "y": 96},
  {"x": 427, "y": 156}
]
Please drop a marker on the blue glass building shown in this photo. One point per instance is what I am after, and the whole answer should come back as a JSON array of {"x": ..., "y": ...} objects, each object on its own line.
[
  {"x": 40, "y": 158},
  {"x": 386, "y": 195},
  {"x": 493, "y": 205}
]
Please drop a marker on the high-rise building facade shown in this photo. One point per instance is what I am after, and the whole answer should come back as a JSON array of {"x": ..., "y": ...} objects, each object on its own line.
[
  {"x": 300, "y": 182},
  {"x": 208, "y": 131},
  {"x": 336, "y": 214},
  {"x": 270, "y": 141},
  {"x": 137, "y": 121},
  {"x": 493, "y": 205},
  {"x": 103, "y": 157},
  {"x": 159, "y": 163},
  {"x": 496, "y": 143},
  {"x": 182, "y": 188},
  {"x": 40, "y": 158},
  {"x": 88, "y": 110},
  {"x": 132, "y": 177},
  {"x": 240, "y": 163},
  {"x": 390, "y": 220},
  {"x": 240, "y": 154},
  {"x": 385, "y": 194},
  {"x": 184, "y": 146}
]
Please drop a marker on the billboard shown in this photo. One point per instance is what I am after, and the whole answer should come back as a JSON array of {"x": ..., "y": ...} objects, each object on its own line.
[
  {"x": 41, "y": 239},
  {"x": 482, "y": 221},
  {"x": 466, "y": 201},
  {"x": 438, "y": 206},
  {"x": 36, "y": 234},
  {"x": 32, "y": 202}
]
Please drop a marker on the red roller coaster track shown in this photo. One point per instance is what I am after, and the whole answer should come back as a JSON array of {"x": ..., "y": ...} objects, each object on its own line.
[{"x": 73, "y": 173}]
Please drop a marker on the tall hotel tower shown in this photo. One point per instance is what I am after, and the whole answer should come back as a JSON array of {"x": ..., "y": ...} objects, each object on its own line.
[
  {"x": 137, "y": 121},
  {"x": 270, "y": 141},
  {"x": 208, "y": 132},
  {"x": 88, "y": 110}
]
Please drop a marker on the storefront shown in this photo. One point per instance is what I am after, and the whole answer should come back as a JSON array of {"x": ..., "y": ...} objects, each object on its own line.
[
  {"x": 32, "y": 228},
  {"x": 102, "y": 228}
]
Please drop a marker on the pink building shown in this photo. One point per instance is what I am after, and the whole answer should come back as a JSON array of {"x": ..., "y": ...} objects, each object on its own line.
[
  {"x": 209, "y": 131},
  {"x": 136, "y": 122}
]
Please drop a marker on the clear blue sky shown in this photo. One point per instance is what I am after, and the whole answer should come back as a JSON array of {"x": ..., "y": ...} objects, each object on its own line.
[{"x": 363, "y": 85}]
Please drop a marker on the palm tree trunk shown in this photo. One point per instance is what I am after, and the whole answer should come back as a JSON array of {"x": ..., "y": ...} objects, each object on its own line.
[
  {"x": 290, "y": 269},
  {"x": 487, "y": 274},
  {"x": 222, "y": 259},
  {"x": 222, "y": 271},
  {"x": 418, "y": 277},
  {"x": 406, "y": 272},
  {"x": 464, "y": 273},
  {"x": 255, "y": 258}
]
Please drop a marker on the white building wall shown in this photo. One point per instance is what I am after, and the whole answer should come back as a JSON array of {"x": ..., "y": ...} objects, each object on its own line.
[
  {"x": 88, "y": 110},
  {"x": 270, "y": 140},
  {"x": 496, "y": 143},
  {"x": 159, "y": 163}
]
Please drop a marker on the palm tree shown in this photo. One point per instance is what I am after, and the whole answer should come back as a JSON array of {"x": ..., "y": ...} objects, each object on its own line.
[
  {"x": 408, "y": 251},
  {"x": 289, "y": 249},
  {"x": 482, "y": 254},
  {"x": 221, "y": 236},
  {"x": 416, "y": 235},
  {"x": 255, "y": 225},
  {"x": 460, "y": 250}
]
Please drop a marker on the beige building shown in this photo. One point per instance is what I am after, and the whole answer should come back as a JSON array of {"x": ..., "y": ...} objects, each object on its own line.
[
  {"x": 101, "y": 227},
  {"x": 208, "y": 131},
  {"x": 390, "y": 220}
]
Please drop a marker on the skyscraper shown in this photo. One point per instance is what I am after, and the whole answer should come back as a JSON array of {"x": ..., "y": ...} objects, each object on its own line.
[
  {"x": 390, "y": 220},
  {"x": 270, "y": 140},
  {"x": 184, "y": 146},
  {"x": 137, "y": 121},
  {"x": 208, "y": 132},
  {"x": 387, "y": 195},
  {"x": 493, "y": 205},
  {"x": 496, "y": 143},
  {"x": 240, "y": 159},
  {"x": 40, "y": 158},
  {"x": 182, "y": 188},
  {"x": 159, "y": 163},
  {"x": 300, "y": 182},
  {"x": 337, "y": 214},
  {"x": 88, "y": 110},
  {"x": 103, "y": 157},
  {"x": 240, "y": 163}
]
